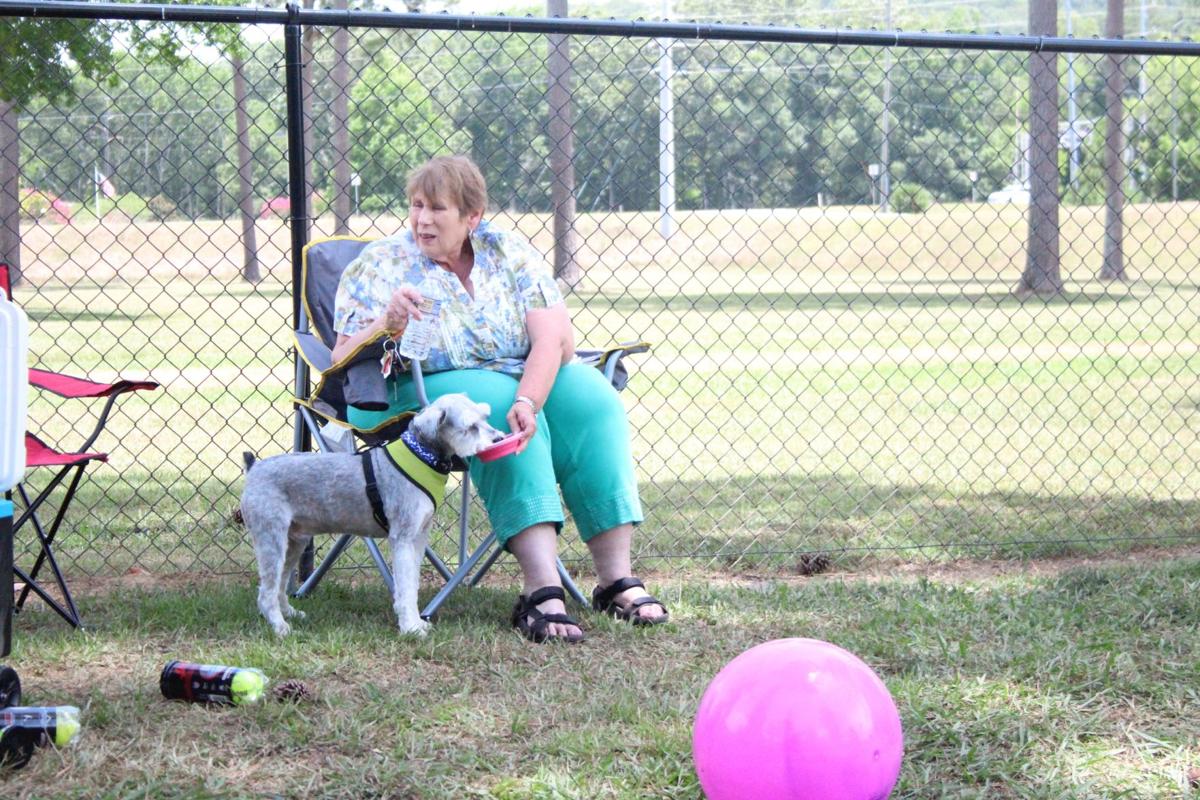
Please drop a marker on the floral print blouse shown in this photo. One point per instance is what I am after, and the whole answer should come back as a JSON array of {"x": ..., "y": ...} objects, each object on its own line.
[{"x": 485, "y": 332}]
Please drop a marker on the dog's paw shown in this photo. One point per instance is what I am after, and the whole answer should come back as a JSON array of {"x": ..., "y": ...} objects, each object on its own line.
[
  {"x": 282, "y": 629},
  {"x": 419, "y": 628},
  {"x": 293, "y": 613}
]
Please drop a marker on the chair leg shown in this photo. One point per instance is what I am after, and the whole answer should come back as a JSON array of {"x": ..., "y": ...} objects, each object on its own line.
[
  {"x": 460, "y": 574},
  {"x": 492, "y": 559},
  {"x": 569, "y": 584},
  {"x": 326, "y": 564},
  {"x": 307, "y": 559},
  {"x": 437, "y": 563},
  {"x": 6, "y": 575},
  {"x": 70, "y": 613},
  {"x": 382, "y": 565},
  {"x": 312, "y": 580}
]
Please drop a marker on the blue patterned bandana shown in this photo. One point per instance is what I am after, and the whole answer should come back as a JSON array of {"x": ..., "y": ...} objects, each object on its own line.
[{"x": 426, "y": 455}]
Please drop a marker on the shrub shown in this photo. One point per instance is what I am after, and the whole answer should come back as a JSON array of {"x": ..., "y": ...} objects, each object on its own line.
[
  {"x": 162, "y": 206},
  {"x": 376, "y": 204},
  {"x": 131, "y": 205},
  {"x": 43, "y": 206},
  {"x": 128, "y": 206},
  {"x": 34, "y": 204},
  {"x": 910, "y": 198}
]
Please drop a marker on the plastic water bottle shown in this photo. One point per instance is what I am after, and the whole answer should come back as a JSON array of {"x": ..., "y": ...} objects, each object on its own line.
[
  {"x": 212, "y": 683},
  {"x": 418, "y": 334},
  {"x": 23, "y": 728}
]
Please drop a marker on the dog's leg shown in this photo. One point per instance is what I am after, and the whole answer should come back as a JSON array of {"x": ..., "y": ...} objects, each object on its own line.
[
  {"x": 295, "y": 549},
  {"x": 270, "y": 545},
  {"x": 408, "y": 548}
]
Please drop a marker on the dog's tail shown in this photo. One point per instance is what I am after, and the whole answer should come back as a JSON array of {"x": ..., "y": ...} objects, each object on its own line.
[{"x": 248, "y": 460}]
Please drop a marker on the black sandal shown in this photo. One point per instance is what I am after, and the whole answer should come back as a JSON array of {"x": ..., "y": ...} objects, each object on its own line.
[
  {"x": 532, "y": 623},
  {"x": 604, "y": 600}
]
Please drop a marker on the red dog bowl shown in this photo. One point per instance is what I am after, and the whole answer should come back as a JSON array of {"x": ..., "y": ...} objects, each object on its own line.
[{"x": 500, "y": 449}]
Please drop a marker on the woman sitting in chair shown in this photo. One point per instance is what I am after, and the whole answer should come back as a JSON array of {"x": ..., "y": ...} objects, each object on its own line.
[{"x": 505, "y": 339}]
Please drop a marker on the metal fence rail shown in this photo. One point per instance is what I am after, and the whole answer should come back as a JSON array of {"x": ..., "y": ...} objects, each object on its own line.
[{"x": 824, "y": 234}]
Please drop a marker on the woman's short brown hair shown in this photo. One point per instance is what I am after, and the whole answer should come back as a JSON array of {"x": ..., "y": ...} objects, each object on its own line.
[{"x": 451, "y": 179}]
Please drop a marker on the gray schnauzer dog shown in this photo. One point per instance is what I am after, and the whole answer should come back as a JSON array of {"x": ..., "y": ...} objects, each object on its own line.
[{"x": 390, "y": 491}]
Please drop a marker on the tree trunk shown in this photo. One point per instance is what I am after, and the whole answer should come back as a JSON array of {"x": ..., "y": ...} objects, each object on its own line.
[
  {"x": 1113, "y": 267},
  {"x": 10, "y": 192},
  {"x": 341, "y": 127},
  {"x": 250, "y": 270},
  {"x": 1042, "y": 272},
  {"x": 561, "y": 131}
]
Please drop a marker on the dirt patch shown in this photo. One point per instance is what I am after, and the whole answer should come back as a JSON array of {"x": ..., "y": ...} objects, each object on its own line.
[{"x": 964, "y": 570}]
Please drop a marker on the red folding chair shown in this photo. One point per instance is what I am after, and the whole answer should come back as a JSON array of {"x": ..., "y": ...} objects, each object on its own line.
[{"x": 64, "y": 465}]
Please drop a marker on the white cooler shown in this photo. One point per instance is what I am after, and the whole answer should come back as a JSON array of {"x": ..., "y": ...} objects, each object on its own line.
[{"x": 14, "y": 384}]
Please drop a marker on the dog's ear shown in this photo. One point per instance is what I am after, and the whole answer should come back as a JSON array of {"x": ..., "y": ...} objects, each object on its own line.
[{"x": 484, "y": 409}]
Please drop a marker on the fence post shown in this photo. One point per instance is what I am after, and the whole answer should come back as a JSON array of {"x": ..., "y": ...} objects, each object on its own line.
[{"x": 299, "y": 221}]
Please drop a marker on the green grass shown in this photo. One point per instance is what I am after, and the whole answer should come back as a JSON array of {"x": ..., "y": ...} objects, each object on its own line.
[
  {"x": 868, "y": 387},
  {"x": 1031, "y": 680},
  {"x": 827, "y": 391}
]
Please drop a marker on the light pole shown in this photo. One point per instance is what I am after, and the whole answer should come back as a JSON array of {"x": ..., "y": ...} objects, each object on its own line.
[
  {"x": 355, "y": 182},
  {"x": 666, "y": 135},
  {"x": 1071, "y": 108},
  {"x": 1175, "y": 119},
  {"x": 873, "y": 171},
  {"x": 1143, "y": 166},
  {"x": 974, "y": 176},
  {"x": 885, "y": 184}
]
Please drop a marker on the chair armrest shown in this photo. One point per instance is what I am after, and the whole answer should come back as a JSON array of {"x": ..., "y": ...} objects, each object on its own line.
[
  {"x": 610, "y": 361},
  {"x": 72, "y": 387},
  {"x": 354, "y": 379},
  {"x": 314, "y": 351}
]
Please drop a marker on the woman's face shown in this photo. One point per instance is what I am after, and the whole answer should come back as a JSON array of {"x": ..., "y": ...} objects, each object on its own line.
[{"x": 439, "y": 227}]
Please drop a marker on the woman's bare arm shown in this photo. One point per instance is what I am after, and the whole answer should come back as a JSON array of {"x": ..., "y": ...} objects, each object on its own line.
[
  {"x": 403, "y": 305},
  {"x": 551, "y": 344}
]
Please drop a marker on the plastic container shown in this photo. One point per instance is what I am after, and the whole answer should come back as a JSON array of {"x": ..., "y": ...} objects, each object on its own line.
[
  {"x": 212, "y": 683},
  {"x": 24, "y": 728},
  {"x": 506, "y": 446},
  {"x": 14, "y": 387},
  {"x": 10, "y": 687},
  {"x": 417, "y": 340}
]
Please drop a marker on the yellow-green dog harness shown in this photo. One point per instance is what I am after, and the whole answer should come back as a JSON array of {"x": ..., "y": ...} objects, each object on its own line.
[{"x": 417, "y": 463}]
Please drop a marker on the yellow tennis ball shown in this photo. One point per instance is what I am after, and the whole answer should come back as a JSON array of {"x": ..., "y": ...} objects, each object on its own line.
[
  {"x": 66, "y": 725},
  {"x": 247, "y": 686}
]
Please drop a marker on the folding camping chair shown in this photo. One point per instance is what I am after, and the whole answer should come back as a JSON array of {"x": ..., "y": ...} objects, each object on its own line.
[
  {"x": 63, "y": 465},
  {"x": 323, "y": 262}
]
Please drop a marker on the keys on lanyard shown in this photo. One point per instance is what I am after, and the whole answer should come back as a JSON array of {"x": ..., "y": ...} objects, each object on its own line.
[{"x": 390, "y": 357}]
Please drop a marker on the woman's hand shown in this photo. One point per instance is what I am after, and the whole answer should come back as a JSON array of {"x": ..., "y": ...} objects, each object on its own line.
[
  {"x": 522, "y": 419},
  {"x": 405, "y": 304}
]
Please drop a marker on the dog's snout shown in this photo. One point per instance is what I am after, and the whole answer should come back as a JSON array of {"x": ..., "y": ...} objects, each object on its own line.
[{"x": 497, "y": 435}]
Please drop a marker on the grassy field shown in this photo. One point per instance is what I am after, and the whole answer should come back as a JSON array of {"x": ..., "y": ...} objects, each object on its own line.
[
  {"x": 1038, "y": 680},
  {"x": 1003, "y": 495},
  {"x": 830, "y": 381}
]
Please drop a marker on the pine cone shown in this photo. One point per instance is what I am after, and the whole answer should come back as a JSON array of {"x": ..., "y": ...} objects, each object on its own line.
[{"x": 292, "y": 690}]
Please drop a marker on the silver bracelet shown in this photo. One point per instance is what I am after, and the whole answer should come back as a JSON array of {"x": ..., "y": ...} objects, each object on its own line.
[{"x": 527, "y": 400}]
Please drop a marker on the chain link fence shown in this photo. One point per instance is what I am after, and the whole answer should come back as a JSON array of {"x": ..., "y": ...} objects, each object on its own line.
[{"x": 827, "y": 245}]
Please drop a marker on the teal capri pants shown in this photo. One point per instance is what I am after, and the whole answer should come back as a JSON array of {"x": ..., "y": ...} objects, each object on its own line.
[{"x": 581, "y": 445}]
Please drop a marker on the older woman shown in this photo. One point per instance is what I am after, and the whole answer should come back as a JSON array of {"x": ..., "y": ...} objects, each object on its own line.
[{"x": 505, "y": 339}]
